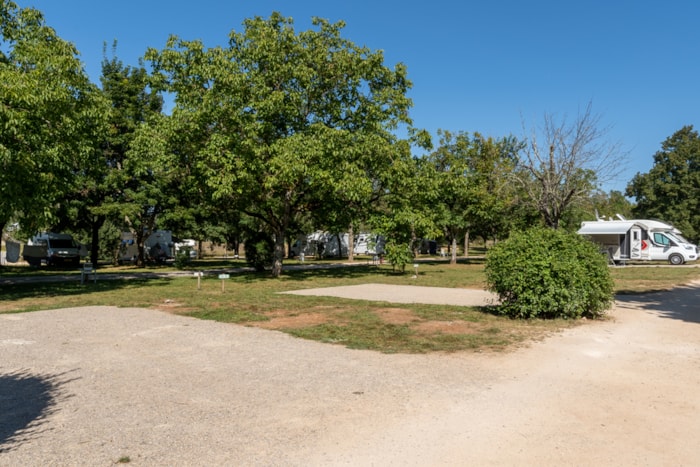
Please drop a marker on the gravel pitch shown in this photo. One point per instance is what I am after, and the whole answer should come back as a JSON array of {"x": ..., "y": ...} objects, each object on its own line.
[
  {"x": 406, "y": 294},
  {"x": 96, "y": 385}
]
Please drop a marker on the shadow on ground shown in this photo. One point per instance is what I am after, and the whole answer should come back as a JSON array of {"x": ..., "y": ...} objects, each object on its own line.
[
  {"x": 26, "y": 401},
  {"x": 682, "y": 303}
]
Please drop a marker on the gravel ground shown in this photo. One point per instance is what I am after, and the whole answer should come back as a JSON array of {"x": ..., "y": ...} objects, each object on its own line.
[
  {"x": 93, "y": 385},
  {"x": 406, "y": 294}
]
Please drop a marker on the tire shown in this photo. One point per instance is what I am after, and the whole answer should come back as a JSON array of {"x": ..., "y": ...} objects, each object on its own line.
[{"x": 676, "y": 259}]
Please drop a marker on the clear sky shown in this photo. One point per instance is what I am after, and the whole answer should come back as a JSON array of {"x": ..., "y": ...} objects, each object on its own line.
[{"x": 489, "y": 66}]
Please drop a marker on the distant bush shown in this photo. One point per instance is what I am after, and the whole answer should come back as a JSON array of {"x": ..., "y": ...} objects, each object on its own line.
[
  {"x": 398, "y": 255},
  {"x": 183, "y": 258},
  {"x": 546, "y": 273},
  {"x": 259, "y": 250}
]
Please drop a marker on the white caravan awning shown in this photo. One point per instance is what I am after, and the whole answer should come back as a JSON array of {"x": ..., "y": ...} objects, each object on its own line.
[{"x": 605, "y": 228}]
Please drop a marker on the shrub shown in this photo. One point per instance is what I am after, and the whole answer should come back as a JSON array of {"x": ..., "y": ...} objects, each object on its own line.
[
  {"x": 546, "y": 273},
  {"x": 259, "y": 251},
  {"x": 398, "y": 254},
  {"x": 183, "y": 258}
]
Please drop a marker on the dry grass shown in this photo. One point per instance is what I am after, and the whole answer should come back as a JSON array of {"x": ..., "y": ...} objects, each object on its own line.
[{"x": 253, "y": 300}]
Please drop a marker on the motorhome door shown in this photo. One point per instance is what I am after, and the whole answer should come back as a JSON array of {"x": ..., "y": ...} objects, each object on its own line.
[{"x": 636, "y": 245}]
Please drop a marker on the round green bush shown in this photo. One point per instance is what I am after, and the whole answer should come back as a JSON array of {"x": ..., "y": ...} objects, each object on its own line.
[
  {"x": 259, "y": 250},
  {"x": 398, "y": 255},
  {"x": 546, "y": 273}
]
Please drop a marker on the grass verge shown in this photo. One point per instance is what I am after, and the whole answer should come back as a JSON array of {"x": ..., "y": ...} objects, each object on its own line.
[{"x": 253, "y": 300}]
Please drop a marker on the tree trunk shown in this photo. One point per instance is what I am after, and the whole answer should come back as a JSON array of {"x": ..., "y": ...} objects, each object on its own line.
[
  {"x": 2, "y": 229},
  {"x": 340, "y": 245},
  {"x": 466, "y": 244},
  {"x": 453, "y": 258},
  {"x": 140, "y": 240},
  {"x": 351, "y": 244},
  {"x": 414, "y": 242},
  {"x": 96, "y": 225},
  {"x": 278, "y": 255}
]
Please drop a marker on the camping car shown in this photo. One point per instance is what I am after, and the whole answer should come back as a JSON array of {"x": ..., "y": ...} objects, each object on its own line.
[
  {"x": 158, "y": 247},
  {"x": 52, "y": 249},
  {"x": 320, "y": 245},
  {"x": 368, "y": 244},
  {"x": 639, "y": 240}
]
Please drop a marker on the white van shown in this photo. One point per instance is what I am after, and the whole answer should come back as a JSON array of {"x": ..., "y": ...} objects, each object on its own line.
[{"x": 52, "y": 249}]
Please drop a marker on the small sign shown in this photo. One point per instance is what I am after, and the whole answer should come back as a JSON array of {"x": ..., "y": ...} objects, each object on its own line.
[
  {"x": 199, "y": 275},
  {"x": 224, "y": 276}
]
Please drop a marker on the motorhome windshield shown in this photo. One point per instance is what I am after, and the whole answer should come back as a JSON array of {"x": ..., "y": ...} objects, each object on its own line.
[
  {"x": 61, "y": 243},
  {"x": 677, "y": 237}
]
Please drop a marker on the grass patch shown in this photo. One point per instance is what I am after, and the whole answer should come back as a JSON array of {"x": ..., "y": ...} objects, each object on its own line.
[
  {"x": 635, "y": 279},
  {"x": 254, "y": 300}
]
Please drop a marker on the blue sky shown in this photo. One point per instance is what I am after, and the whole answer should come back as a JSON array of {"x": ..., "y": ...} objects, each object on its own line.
[{"x": 488, "y": 66}]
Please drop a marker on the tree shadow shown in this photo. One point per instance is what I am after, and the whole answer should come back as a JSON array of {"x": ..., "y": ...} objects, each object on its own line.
[
  {"x": 301, "y": 273},
  {"x": 39, "y": 289},
  {"x": 682, "y": 302},
  {"x": 26, "y": 402}
]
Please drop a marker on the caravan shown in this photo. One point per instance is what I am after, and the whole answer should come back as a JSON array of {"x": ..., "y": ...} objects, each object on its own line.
[{"x": 640, "y": 240}]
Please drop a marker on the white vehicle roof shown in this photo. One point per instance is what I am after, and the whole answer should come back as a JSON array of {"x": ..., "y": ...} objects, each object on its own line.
[
  {"x": 605, "y": 227},
  {"x": 620, "y": 227}
]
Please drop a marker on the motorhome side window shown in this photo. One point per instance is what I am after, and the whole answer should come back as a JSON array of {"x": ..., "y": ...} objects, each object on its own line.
[{"x": 662, "y": 239}]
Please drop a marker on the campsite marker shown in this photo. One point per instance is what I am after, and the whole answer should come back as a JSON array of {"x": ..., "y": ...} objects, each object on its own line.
[{"x": 223, "y": 278}]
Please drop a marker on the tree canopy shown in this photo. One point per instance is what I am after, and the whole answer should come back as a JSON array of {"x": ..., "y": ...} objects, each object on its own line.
[
  {"x": 277, "y": 133},
  {"x": 49, "y": 115},
  {"x": 286, "y": 119},
  {"x": 671, "y": 189}
]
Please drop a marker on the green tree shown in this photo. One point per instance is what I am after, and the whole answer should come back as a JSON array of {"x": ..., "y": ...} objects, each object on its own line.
[
  {"x": 128, "y": 181},
  {"x": 49, "y": 115},
  {"x": 497, "y": 207},
  {"x": 287, "y": 117},
  {"x": 405, "y": 214},
  {"x": 671, "y": 189},
  {"x": 471, "y": 188},
  {"x": 455, "y": 188},
  {"x": 600, "y": 205}
]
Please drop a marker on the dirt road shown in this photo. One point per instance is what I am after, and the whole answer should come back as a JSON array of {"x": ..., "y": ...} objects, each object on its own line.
[{"x": 91, "y": 386}]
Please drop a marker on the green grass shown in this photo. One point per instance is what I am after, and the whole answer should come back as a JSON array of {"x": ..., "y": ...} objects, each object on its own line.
[
  {"x": 646, "y": 278},
  {"x": 253, "y": 300}
]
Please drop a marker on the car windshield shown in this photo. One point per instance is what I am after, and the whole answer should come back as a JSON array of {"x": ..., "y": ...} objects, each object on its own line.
[
  {"x": 677, "y": 237},
  {"x": 62, "y": 243}
]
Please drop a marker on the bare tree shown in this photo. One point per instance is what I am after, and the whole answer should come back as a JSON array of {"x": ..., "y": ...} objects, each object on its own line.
[{"x": 564, "y": 162}]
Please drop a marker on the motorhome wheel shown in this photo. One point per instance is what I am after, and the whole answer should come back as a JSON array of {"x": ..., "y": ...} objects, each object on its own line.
[{"x": 675, "y": 259}]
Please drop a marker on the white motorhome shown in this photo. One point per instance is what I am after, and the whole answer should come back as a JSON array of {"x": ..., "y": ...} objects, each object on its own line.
[
  {"x": 368, "y": 244},
  {"x": 640, "y": 240},
  {"x": 320, "y": 245},
  {"x": 52, "y": 249},
  {"x": 158, "y": 247}
]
